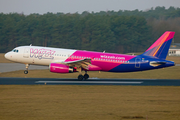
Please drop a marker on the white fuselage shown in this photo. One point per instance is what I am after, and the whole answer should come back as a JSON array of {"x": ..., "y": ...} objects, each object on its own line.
[{"x": 38, "y": 55}]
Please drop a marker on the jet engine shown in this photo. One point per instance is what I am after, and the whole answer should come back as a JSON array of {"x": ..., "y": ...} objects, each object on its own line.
[{"x": 60, "y": 68}]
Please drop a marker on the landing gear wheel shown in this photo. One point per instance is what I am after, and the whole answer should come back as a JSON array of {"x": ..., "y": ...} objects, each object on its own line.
[
  {"x": 86, "y": 76},
  {"x": 80, "y": 77},
  {"x": 25, "y": 72}
]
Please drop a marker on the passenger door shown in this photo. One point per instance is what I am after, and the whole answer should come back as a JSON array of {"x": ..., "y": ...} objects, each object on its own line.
[
  {"x": 137, "y": 62},
  {"x": 26, "y": 53}
]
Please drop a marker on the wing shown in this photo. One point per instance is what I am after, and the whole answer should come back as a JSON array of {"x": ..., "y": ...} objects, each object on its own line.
[{"x": 78, "y": 63}]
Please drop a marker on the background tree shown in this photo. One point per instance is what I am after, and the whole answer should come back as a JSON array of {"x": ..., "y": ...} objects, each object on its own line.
[{"x": 120, "y": 32}]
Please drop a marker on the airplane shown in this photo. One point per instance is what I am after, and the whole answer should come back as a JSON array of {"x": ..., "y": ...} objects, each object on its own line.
[{"x": 68, "y": 60}]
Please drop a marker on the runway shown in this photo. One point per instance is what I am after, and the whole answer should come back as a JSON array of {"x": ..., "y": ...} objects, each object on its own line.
[
  {"x": 8, "y": 67},
  {"x": 91, "y": 81}
]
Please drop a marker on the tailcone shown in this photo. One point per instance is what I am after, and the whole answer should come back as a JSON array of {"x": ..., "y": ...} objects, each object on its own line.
[{"x": 170, "y": 63}]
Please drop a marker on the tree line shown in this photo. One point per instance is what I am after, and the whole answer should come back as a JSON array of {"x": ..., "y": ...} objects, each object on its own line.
[{"x": 130, "y": 31}]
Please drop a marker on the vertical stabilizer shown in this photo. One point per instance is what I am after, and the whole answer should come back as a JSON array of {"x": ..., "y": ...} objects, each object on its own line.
[{"x": 161, "y": 47}]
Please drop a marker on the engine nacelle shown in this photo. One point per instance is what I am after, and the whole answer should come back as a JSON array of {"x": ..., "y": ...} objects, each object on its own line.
[{"x": 60, "y": 68}]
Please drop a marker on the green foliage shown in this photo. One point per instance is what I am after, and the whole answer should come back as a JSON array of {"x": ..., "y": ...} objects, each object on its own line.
[{"x": 122, "y": 31}]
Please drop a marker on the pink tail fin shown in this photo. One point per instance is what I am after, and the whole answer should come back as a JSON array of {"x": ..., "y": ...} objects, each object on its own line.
[{"x": 161, "y": 47}]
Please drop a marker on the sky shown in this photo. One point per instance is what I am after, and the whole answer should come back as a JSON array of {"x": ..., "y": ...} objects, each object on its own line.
[{"x": 72, "y": 6}]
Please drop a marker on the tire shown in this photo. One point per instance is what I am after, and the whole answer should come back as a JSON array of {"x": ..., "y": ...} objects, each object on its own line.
[
  {"x": 80, "y": 77},
  {"x": 86, "y": 76},
  {"x": 25, "y": 72}
]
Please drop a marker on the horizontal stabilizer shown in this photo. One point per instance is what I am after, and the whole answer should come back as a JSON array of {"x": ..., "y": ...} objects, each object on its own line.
[{"x": 155, "y": 63}]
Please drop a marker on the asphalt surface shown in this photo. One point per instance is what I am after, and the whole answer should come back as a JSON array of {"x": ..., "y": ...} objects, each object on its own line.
[
  {"x": 91, "y": 81},
  {"x": 177, "y": 65},
  {"x": 8, "y": 67}
]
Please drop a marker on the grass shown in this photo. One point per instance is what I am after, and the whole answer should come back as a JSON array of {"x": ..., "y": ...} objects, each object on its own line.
[
  {"x": 42, "y": 102},
  {"x": 176, "y": 59}
]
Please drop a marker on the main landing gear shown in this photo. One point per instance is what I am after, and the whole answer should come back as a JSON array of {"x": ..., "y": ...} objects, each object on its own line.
[
  {"x": 81, "y": 77},
  {"x": 85, "y": 77},
  {"x": 26, "y": 71}
]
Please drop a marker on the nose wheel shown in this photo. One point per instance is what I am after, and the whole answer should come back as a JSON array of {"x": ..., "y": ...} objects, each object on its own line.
[{"x": 26, "y": 71}]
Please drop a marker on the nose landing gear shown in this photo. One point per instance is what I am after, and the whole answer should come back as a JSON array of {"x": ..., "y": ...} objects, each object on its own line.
[{"x": 26, "y": 71}]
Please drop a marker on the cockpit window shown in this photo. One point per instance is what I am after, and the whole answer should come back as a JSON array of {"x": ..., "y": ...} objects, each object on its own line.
[{"x": 14, "y": 50}]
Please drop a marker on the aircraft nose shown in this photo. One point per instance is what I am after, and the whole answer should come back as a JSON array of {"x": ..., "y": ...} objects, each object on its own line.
[{"x": 7, "y": 55}]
